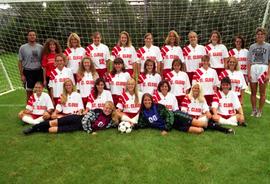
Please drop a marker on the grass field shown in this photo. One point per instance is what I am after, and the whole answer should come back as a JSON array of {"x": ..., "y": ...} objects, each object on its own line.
[{"x": 143, "y": 156}]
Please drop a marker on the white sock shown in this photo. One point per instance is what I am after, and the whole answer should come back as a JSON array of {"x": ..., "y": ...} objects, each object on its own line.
[
  {"x": 203, "y": 119},
  {"x": 40, "y": 119},
  {"x": 133, "y": 120},
  {"x": 29, "y": 120},
  {"x": 231, "y": 121}
]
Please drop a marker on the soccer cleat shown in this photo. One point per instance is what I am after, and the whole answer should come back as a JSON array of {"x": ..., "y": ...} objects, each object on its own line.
[
  {"x": 28, "y": 131},
  {"x": 231, "y": 131},
  {"x": 253, "y": 113},
  {"x": 259, "y": 114},
  {"x": 242, "y": 124}
]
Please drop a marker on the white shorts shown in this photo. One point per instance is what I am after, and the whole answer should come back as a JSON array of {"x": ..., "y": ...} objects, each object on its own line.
[{"x": 256, "y": 71}]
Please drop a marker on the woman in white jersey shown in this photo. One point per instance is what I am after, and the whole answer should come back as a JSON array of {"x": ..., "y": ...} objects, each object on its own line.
[
  {"x": 149, "y": 79},
  {"x": 171, "y": 51},
  {"x": 70, "y": 101},
  {"x": 127, "y": 52},
  {"x": 86, "y": 77},
  {"x": 74, "y": 52},
  {"x": 178, "y": 80},
  {"x": 217, "y": 51},
  {"x": 238, "y": 82},
  {"x": 241, "y": 54},
  {"x": 149, "y": 51},
  {"x": 98, "y": 96},
  {"x": 39, "y": 106},
  {"x": 259, "y": 70}
]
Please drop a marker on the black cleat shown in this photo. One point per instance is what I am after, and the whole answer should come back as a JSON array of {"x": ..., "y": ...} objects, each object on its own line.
[
  {"x": 28, "y": 131},
  {"x": 242, "y": 124}
]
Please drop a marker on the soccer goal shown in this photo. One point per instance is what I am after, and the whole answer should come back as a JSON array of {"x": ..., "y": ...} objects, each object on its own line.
[{"x": 58, "y": 18}]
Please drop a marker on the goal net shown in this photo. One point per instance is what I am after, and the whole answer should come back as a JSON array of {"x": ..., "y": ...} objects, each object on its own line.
[{"x": 56, "y": 19}]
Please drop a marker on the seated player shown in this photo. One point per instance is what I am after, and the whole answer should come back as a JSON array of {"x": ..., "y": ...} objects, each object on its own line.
[
  {"x": 70, "y": 101},
  {"x": 39, "y": 106},
  {"x": 226, "y": 106}
]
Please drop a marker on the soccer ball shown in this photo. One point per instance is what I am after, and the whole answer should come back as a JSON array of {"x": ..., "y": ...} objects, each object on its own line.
[{"x": 124, "y": 127}]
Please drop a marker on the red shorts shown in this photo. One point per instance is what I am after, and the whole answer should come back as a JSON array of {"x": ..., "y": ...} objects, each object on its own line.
[
  {"x": 209, "y": 99},
  {"x": 101, "y": 72},
  {"x": 179, "y": 100},
  {"x": 165, "y": 71},
  {"x": 85, "y": 99},
  {"x": 130, "y": 114},
  {"x": 190, "y": 76},
  {"x": 219, "y": 70},
  {"x": 35, "y": 116},
  {"x": 225, "y": 116},
  {"x": 115, "y": 99},
  {"x": 130, "y": 71},
  {"x": 56, "y": 101}
]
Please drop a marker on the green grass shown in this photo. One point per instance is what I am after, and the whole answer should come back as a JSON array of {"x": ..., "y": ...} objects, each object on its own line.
[{"x": 143, "y": 156}]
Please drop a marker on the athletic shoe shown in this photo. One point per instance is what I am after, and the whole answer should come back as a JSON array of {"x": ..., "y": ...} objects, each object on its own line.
[
  {"x": 231, "y": 131},
  {"x": 254, "y": 113},
  {"x": 259, "y": 114},
  {"x": 28, "y": 131},
  {"x": 242, "y": 124}
]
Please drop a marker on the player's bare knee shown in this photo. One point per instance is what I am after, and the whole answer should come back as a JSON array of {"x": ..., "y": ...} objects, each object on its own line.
[
  {"x": 53, "y": 123},
  {"x": 21, "y": 114},
  {"x": 53, "y": 130}
]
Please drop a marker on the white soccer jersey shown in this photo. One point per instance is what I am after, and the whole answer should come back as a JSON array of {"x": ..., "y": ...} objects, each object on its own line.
[
  {"x": 86, "y": 84},
  {"x": 193, "y": 106},
  {"x": 170, "y": 53},
  {"x": 169, "y": 101},
  {"x": 117, "y": 82},
  {"x": 226, "y": 104},
  {"x": 179, "y": 82},
  {"x": 39, "y": 105},
  {"x": 148, "y": 83},
  {"x": 242, "y": 57},
  {"x": 127, "y": 104},
  {"x": 57, "y": 79},
  {"x": 145, "y": 53},
  {"x": 99, "y": 102},
  {"x": 74, "y": 56},
  {"x": 207, "y": 78},
  {"x": 193, "y": 56},
  {"x": 238, "y": 82},
  {"x": 217, "y": 54},
  {"x": 99, "y": 55},
  {"x": 128, "y": 54},
  {"x": 74, "y": 104}
]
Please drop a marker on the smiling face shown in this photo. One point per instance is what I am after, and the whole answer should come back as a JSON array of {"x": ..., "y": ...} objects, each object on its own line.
[
  {"x": 59, "y": 62},
  {"x": 38, "y": 88},
  {"x": 205, "y": 63},
  {"x": 123, "y": 39},
  {"x": 97, "y": 39},
  {"x": 118, "y": 67},
  {"x": 87, "y": 64},
  {"x": 225, "y": 87},
  {"x": 107, "y": 109},
  {"x": 214, "y": 39},
  {"x": 68, "y": 86},
  {"x": 131, "y": 83},
  {"x": 164, "y": 89},
  {"x": 232, "y": 63},
  {"x": 149, "y": 67},
  {"x": 176, "y": 66},
  {"x": 74, "y": 42},
  {"x": 147, "y": 102},
  {"x": 100, "y": 87},
  {"x": 172, "y": 38},
  {"x": 260, "y": 37},
  {"x": 52, "y": 47},
  {"x": 148, "y": 40},
  {"x": 31, "y": 37},
  {"x": 238, "y": 43},
  {"x": 193, "y": 39},
  {"x": 195, "y": 90}
]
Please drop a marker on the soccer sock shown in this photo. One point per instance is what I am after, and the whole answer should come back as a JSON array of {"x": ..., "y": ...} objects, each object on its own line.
[
  {"x": 40, "y": 119},
  {"x": 214, "y": 126},
  {"x": 29, "y": 120},
  {"x": 41, "y": 127},
  {"x": 230, "y": 121}
]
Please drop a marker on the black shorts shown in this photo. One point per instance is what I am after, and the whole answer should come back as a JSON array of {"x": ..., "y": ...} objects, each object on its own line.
[
  {"x": 182, "y": 121},
  {"x": 70, "y": 123},
  {"x": 32, "y": 76}
]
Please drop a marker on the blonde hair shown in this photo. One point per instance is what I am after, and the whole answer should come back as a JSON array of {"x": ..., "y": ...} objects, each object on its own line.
[
  {"x": 201, "y": 95},
  {"x": 115, "y": 115},
  {"x": 65, "y": 93},
  {"x": 136, "y": 100},
  {"x": 177, "y": 38},
  {"x": 73, "y": 35},
  {"x": 129, "y": 43},
  {"x": 237, "y": 67},
  {"x": 192, "y": 32},
  {"x": 81, "y": 69}
]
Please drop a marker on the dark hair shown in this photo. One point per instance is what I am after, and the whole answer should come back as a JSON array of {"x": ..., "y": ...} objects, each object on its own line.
[
  {"x": 118, "y": 60},
  {"x": 205, "y": 57},
  {"x": 180, "y": 62},
  {"x": 30, "y": 30},
  {"x": 143, "y": 97},
  {"x": 225, "y": 80},
  {"x": 95, "y": 90},
  {"x": 46, "y": 49},
  {"x": 161, "y": 83},
  {"x": 154, "y": 66},
  {"x": 243, "y": 44}
]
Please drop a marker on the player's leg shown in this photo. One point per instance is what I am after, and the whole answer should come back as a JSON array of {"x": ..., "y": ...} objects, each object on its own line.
[{"x": 262, "y": 91}]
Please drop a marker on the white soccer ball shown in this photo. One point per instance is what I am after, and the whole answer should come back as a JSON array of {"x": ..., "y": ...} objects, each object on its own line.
[{"x": 124, "y": 127}]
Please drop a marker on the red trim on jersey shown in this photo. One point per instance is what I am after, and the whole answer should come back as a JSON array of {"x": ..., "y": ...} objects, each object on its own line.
[
  {"x": 88, "y": 50},
  {"x": 67, "y": 51},
  {"x": 141, "y": 78},
  {"x": 124, "y": 98},
  {"x": 198, "y": 74},
  {"x": 262, "y": 77},
  {"x": 109, "y": 77},
  {"x": 223, "y": 74},
  {"x": 168, "y": 76},
  {"x": 186, "y": 51},
  {"x": 216, "y": 97},
  {"x": 164, "y": 51},
  {"x": 208, "y": 48},
  {"x": 116, "y": 50},
  {"x": 53, "y": 74},
  {"x": 156, "y": 96},
  {"x": 91, "y": 98},
  {"x": 31, "y": 100},
  {"x": 231, "y": 52},
  {"x": 140, "y": 52},
  {"x": 186, "y": 101}
]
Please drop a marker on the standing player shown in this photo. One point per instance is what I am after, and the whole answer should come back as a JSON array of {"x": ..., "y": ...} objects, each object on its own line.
[
  {"x": 149, "y": 79},
  {"x": 70, "y": 101},
  {"x": 74, "y": 52},
  {"x": 86, "y": 77},
  {"x": 171, "y": 51},
  {"x": 116, "y": 80},
  {"x": 165, "y": 97},
  {"x": 179, "y": 81},
  {"x": 208, "y": 78},
  {"x": 193, "y": 54},
  {"x": 226, "y": 106},
  {"x": 127, "y": 52},
  {"x": 99, "y": 54},
  {"x": 98, "y": 96},
  {"x": 238, "y": 82},
  {"x": 57, "y": 78},
  {"x": 149, "y": 51},
  {"x": 259, "y": 70},
  {"x": 217, "y": 51},
  {"x": 39, "y": 106},
  {"x": 50, "y": 49},
  {"x": 241, "y": 54},
  {"x": 29, "y": 64}
]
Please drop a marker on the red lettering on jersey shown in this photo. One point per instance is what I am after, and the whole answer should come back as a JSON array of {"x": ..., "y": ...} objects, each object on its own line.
[
  {"x": 235, "y": 81},
  {"x": 152, "y": 58},
  {"x": 197, "y": 56},
  {"x": 98, "y": 54},
  {"x": 77, "y": 57},
  {"x": 242, "y": 59},
  {"x": 193, "y": 109},
  {"x": 180, "y": 82},
  {"x": 152, "y": 84},
  {"x": 228, "y": 105},
  {"x": 174, "y": 57},
  {"x": 118, "y": 83},
  {"x": 41, "y": 107},
  {"x": 217, "y": 54},
  {"x": 207, "y": 80},
  {"x": 72, "y": 104},
  {"x": 126, "y": 56}
]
